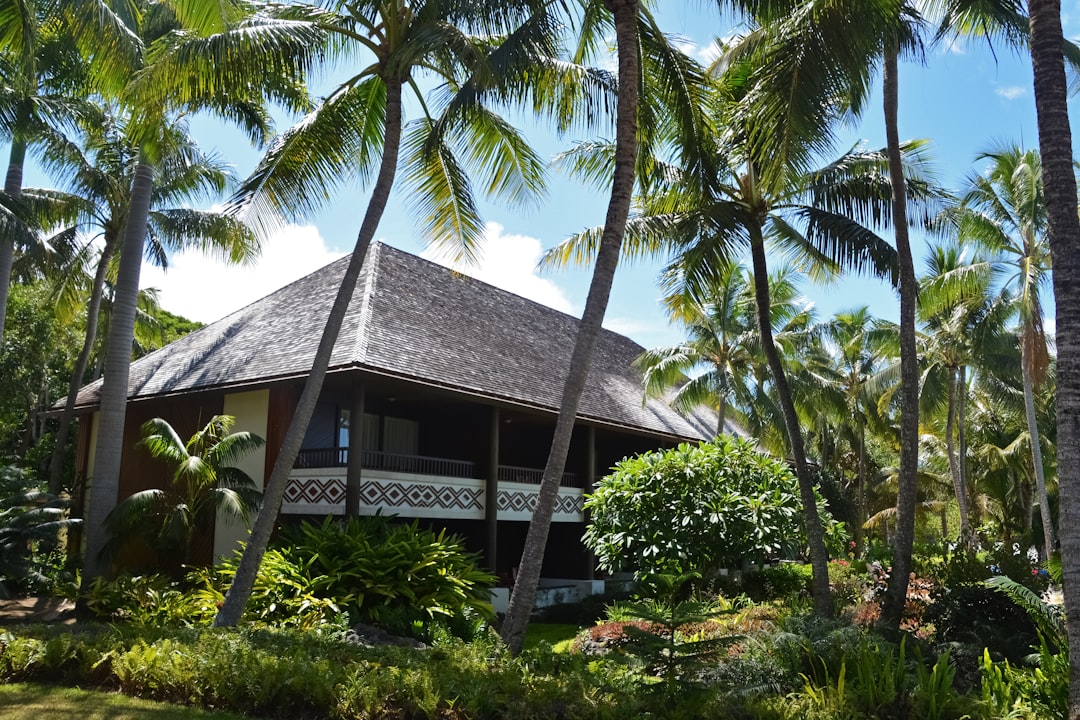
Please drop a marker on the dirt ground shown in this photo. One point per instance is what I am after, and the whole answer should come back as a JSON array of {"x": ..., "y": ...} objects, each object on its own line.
[{"x": 35, "y": 610}]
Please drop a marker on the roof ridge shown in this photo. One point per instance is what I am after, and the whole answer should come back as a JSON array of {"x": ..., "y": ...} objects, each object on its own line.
[{"x": 370, "y": 268}]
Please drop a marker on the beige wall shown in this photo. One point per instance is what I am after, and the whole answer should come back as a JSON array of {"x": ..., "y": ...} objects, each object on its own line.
[
  {"x": 251, "y": 410},
  {"x": 91, "y": 455}
]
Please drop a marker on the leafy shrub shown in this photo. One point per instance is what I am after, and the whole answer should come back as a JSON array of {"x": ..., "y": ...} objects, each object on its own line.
[
  {"x": 33, "y": 539},
  {"x": 398, "y": 576},
  {"x": 148, "y": 600},
  {"x": 785, "y": 581},
  {"x": 204, "y": 483},
  {"x": 695, "y": 508},
  {"x": 290, "y": 674}
]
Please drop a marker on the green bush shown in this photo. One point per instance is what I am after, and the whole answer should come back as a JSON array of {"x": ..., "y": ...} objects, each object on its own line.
[
  {"x": 786, "y": 581},
  {"x": 290, "y": 674},
  {"x": 398, "y": 576},
  {"x": 33, "y": 540},
  {"x": 694, "y": 509}
]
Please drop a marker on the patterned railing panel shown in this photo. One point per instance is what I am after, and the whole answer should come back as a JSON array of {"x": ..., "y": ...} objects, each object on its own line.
[
  {"x": 516, "y": 501},
  {"x": 322, "y": 491},
  {"x": 315, "y": 492}
]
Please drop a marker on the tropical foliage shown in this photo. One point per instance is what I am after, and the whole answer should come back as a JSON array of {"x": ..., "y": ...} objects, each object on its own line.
[
  {"x": 695, "y": 508},
  {"x": 204, "y": 483}
]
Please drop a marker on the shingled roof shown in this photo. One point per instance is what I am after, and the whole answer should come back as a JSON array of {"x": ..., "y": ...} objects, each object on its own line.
[{"x": 417, "y": 320}]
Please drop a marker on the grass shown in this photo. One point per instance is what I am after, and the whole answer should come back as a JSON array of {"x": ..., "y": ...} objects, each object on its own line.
[
  {"x": 561, "y": 637},
  {"x": 21, "y": 701}
]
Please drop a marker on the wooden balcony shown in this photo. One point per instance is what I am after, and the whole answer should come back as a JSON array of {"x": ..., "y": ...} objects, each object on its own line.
[{"x": 418, "y": 486}]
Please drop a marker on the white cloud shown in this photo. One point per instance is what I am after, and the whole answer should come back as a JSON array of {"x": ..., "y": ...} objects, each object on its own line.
[
  {"x": 509, "y": 262},
  {"x": 707, "y": 54},
  {"x": 1011, "y": 92},
  {"x": 205, "y": 289},
  {"x": 956, "y": 46}
]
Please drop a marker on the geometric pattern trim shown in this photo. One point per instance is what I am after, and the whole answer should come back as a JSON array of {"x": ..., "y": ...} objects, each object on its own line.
[
  {"x": 420, "y": 496},
  {"x": 315, "y": 490},
  {"x": 524, "y": 501}
]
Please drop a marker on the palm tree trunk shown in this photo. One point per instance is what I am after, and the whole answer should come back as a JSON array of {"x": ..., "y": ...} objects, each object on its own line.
[
  {"x": 954, "y": 465},
  {"x": 1063, "y": 230},
  {"x": 860, "y": 517},
  {"x": 974, "y": 516},
  {"x": 1026, "y": 361},
  {"x": 13, "y": 187},
  {"x": 819, "y": 556},
  {"x": 237, "y": 597},
  {"x": 93, "y": 309},
  {"x": 896, "y": 596},
  {"x": 622, "y": 189},
  {"x": 105, "y": 483},
  {"x": 721, "y": 416}
]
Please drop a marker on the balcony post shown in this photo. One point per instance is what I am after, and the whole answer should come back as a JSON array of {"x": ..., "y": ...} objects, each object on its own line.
[
  {"x": 355, "y": 463},
  {"x": 491, "y": 494},
  {"x": 589, "y": 484}
]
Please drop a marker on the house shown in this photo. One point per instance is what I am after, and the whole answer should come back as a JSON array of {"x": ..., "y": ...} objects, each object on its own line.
[{"x": 441, "y": 397}]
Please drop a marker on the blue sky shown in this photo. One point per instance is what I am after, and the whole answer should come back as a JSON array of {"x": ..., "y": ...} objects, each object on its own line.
[{"x": 963, "y": 99}]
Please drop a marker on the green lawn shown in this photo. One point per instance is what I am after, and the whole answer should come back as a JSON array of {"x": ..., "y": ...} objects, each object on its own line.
[
  {"x": 35, "y": 702},
  {"x": 560, "y": 636}
]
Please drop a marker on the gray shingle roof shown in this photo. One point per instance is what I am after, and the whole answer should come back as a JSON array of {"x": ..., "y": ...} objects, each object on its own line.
[{"x": 418, "y": 320}]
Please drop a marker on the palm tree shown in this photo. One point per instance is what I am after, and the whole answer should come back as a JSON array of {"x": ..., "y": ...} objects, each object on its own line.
[
  {"x": 363, "y": 120},
  {"x": 704, "y": 220},
  {"x": 809, "y": 55},
  {"x": 168, "y": 57},
  {"x": 854, "y": 349},
  {"x": 670, "y": 109},
  {"x": 41, "y": 84},
  {"x": 960, "y": 326},
  {"x": 1063, "y": 232},
  {"x": 204, "y": 482},
  {"x": 721, "y": 343},
  {"x": 1004, "y": 211},
  {"x": 99, "y": 173}
]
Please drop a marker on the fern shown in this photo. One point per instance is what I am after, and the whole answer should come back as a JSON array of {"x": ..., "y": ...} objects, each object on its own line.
[{"x": 1047, "y": 618}]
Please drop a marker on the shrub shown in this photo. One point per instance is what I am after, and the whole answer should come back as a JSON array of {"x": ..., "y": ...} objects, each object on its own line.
[
  {"x": 695, "y": 508},
  {"x": 398, "y": 576},
  {"x": 786, "y": 581},
  {"x": 33, "y": 538}
]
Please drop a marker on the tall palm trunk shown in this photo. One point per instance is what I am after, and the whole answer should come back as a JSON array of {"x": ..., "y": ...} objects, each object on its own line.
[
  {"x": 954, "y": 465},
  {"x": 962, "y": 448},
  {"x": 819, "y": 556},
  {"x": 237, "y": 597},
  {"x": 13, "y": 187},
  {"x": 105, "y": 483},
  {"x": 622, "y": 188},
  {"x": 1063, "y": 231},
  {"x": 1027, "y": 353},
  {"x": 93, "y": 309},
  {"x": 721, "y": 415},
  {"x": 904, "y": 538},
  {"x": 860, "y": 518}
]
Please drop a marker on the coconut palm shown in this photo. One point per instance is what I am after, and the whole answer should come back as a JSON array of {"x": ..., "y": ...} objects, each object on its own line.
[
  {"x": 361, "y": 124},
  {"x": 166, "y": 58},
  {"x": 1063, "y": 232},
  {"x": 1004, "y": 211},
  {"x": 41, "y": 84},
  {"x": 959, "y": 330},
  {"x": 667, "y": 108},
  {"x": 721, "y": 334},
  {"x": 204, "y": 482},
  {"x": 703, "y": 220},
  {"x": 848, "y": 363},
  {"x": 97, "y": 169}
]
